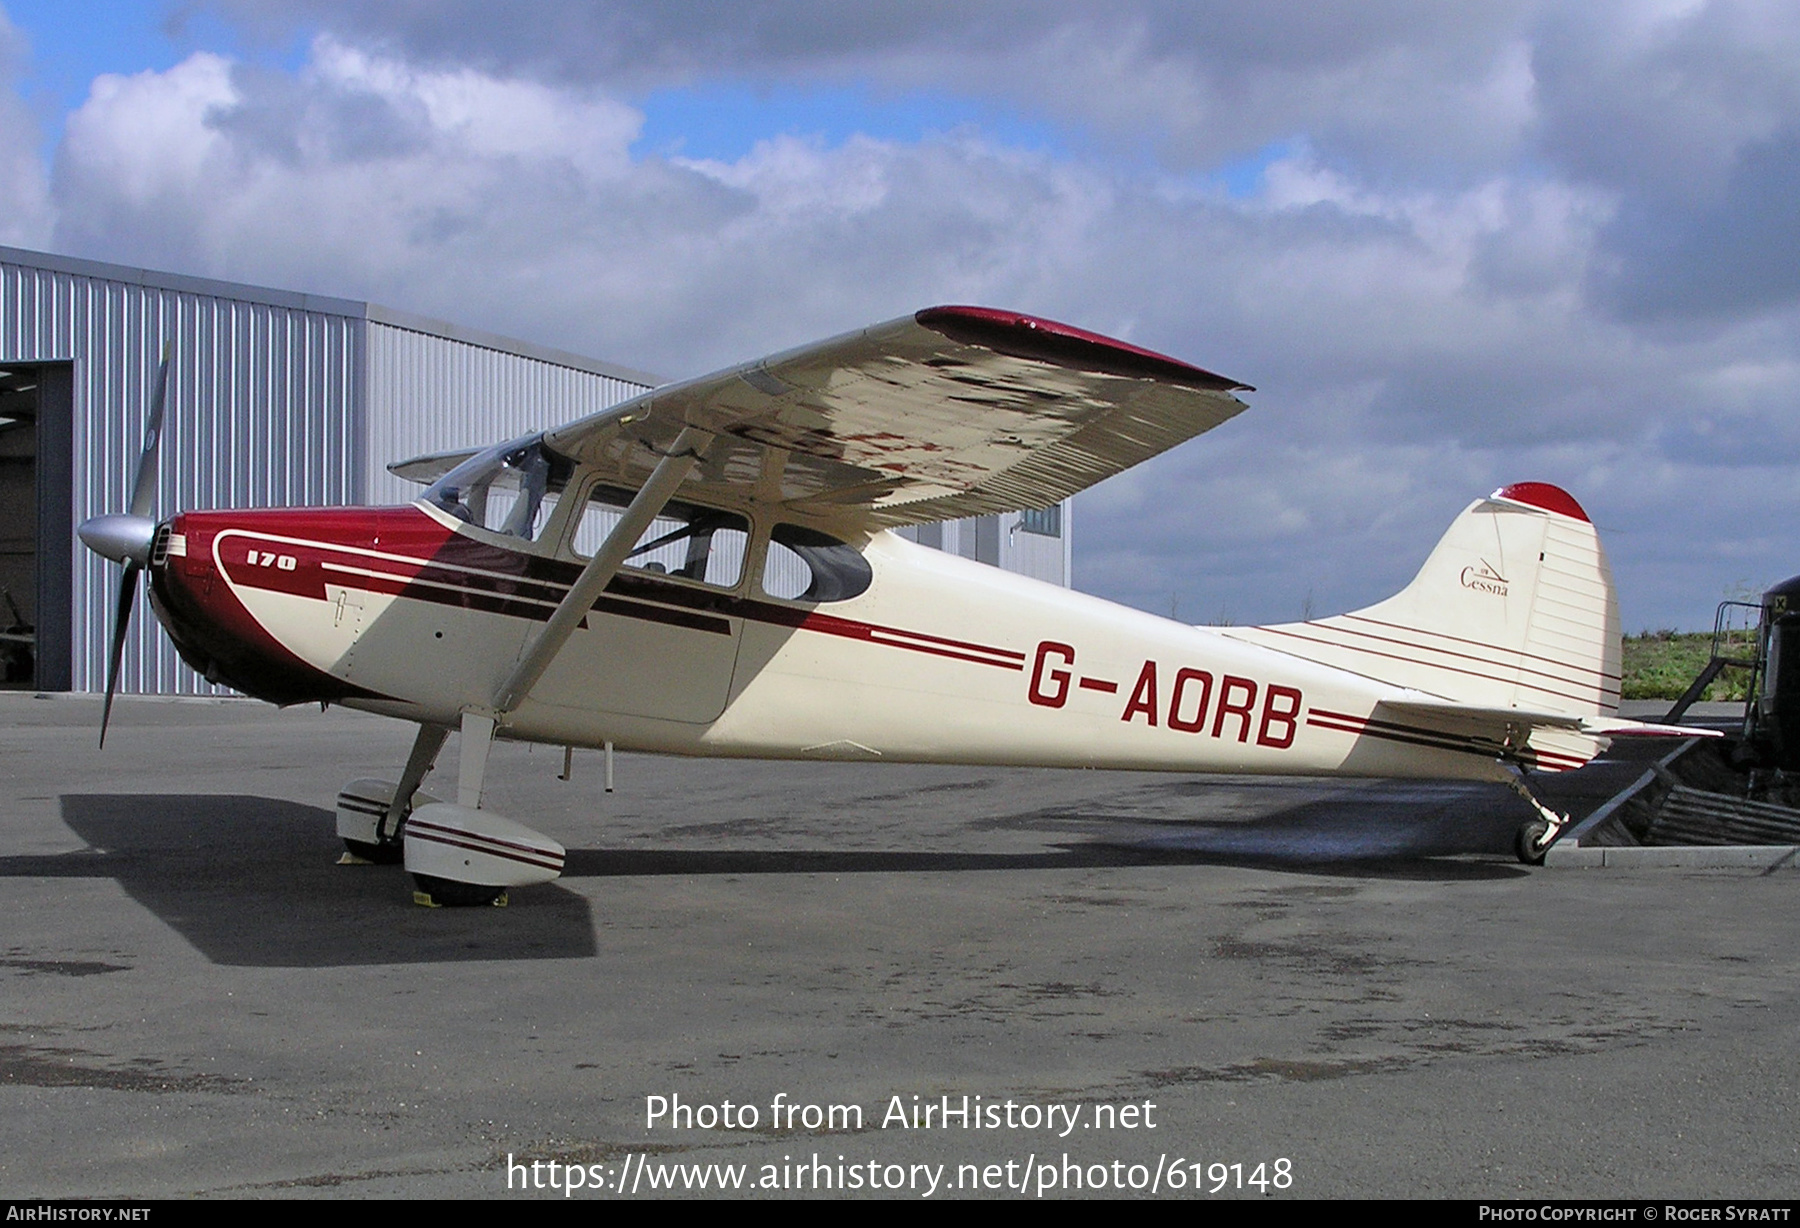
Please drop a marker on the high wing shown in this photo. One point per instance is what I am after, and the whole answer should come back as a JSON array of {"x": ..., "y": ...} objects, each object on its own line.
[{"x": 950, "y": 412}]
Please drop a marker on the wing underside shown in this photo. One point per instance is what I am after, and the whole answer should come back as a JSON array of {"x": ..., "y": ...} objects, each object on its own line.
[{"x": 952, "y": 412}]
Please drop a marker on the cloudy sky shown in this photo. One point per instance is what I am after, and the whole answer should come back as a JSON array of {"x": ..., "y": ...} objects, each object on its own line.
[{"x": 1453, "y": 246}]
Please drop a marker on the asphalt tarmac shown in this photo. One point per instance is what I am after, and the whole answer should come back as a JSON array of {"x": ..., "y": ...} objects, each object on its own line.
[{"x": 1339, "y": 988}]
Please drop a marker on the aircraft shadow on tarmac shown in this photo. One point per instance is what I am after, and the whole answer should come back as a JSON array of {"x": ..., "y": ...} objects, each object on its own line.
[
  {"x": 253, "y": 881},
  {"x": 1385, "y": 821},
  {"x": 1395, "y": 831},
  {"x": 617, "y": 863}
]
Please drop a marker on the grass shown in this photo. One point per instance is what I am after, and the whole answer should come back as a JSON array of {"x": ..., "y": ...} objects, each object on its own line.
[{"x": 1661, "y": 665}]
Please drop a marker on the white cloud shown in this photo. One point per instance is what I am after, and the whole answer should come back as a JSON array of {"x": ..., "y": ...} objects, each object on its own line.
[
  {"x": 145, "y": 141},
  {"x": 477, "y": 115}
]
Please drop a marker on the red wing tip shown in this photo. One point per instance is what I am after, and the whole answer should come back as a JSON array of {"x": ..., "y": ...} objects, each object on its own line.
[
  {"x": 1046, "y": 340},
  {"x": 1542, "y": 495}
]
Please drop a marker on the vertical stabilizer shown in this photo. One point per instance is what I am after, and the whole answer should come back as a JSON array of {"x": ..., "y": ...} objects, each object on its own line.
[{"x": 1514, "y": 609}]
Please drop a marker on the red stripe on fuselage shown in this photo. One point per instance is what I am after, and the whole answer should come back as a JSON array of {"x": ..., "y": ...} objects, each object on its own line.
[
  {"x": 403, "y": 552},
  {"x": 1418, "y": 735},
  {"x": 217, "y": 635},
  {"x": 1601, "y": 693},
  {"x": 1457, "y": 639}
]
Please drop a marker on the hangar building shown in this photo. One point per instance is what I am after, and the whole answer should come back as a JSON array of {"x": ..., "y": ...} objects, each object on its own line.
[{"x": 276, "y": 398}]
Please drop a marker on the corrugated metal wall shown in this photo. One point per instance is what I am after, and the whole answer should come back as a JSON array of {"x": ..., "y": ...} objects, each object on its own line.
[
  {"x": 430, "y": 393},
  {"x": 261, "y": 413},
  {"x": 1002, "y": 541},
  {"x": 1035, "y": 554}
]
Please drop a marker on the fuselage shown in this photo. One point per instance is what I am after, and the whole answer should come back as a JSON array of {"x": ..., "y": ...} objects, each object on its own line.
[{"x": 409, "y": 612}]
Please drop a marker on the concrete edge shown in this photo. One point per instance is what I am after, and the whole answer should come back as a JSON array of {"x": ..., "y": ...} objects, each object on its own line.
[{"x": 1735, "y": 856}]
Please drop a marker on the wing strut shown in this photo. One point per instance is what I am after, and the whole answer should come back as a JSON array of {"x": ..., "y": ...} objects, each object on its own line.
[{"x": 646, "y": 505}]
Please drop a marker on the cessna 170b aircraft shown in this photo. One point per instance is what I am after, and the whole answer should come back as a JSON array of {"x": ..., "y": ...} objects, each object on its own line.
[{"x": 708, "y": 569}]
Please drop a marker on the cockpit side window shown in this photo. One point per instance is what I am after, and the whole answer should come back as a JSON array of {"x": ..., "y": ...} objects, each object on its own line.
[
  {"x": 807, "y": 565},
  {"x": 686, "y": 540},
  {"x": 510, "y": 489}
]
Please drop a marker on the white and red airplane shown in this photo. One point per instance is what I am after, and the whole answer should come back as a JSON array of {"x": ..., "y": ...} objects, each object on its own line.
[{"x": 708, "y": 569}]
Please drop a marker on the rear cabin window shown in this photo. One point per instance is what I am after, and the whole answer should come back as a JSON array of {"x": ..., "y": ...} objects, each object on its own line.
[
  {"x": 686, "y": 540},
  {"x": 806, "y": 565}
]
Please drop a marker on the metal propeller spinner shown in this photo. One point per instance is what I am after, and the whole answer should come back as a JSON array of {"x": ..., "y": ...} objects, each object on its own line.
[{"x": 127, "y": 538}]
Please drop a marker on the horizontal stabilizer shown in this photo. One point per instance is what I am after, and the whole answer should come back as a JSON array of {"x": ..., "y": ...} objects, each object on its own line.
[
  {"x": 1616, "y": 728},
  {"x": 1549, "y": 741},
  {"x": 1599, "y": 726}
]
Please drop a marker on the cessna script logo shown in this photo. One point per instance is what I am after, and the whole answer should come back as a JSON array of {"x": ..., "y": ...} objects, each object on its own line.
[{"x": 1484, "y": 579}]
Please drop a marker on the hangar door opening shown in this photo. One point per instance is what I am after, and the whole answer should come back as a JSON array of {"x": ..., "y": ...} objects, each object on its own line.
[{"x": 36, "y": 525}]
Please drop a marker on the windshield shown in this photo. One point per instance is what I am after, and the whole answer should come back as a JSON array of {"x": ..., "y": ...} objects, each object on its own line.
[{"x": 510, "y": 489}]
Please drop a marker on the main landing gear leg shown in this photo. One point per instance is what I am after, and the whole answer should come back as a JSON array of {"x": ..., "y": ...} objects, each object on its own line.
[
  {"x": 464, "y": 855},
  {"x": 471, "y": 769},
  {"x": 424, "y": 755},
  {"x": 472, "y": 757},
  {"x": 1535, "y": 837},
  {"x": 372, "y": 813}
]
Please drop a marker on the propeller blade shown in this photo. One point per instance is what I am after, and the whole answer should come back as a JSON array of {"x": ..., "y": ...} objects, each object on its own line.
[
  {"x": 121, "y": 624},
  {"x": 143, "y": 493}
]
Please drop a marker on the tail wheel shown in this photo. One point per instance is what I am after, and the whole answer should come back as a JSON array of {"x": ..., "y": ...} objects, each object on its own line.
[{"x": 1529, "y": 842}]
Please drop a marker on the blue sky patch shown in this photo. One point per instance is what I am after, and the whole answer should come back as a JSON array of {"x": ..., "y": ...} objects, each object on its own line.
[
  {"x": 68, "y": 49},
  {"x": 722, "y": 121}
]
